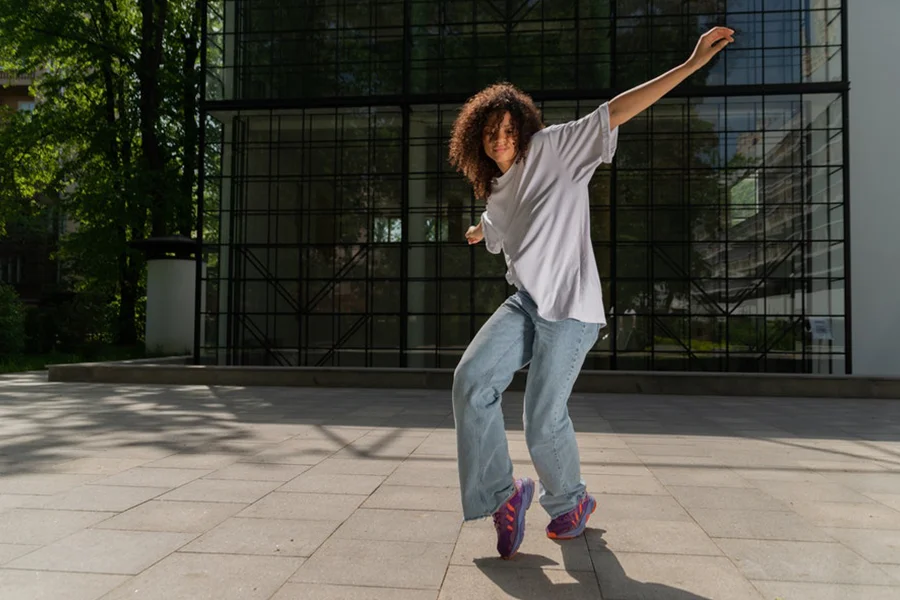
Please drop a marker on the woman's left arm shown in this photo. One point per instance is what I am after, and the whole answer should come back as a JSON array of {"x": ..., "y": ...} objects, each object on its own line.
[{"x": 628, "y": 105}]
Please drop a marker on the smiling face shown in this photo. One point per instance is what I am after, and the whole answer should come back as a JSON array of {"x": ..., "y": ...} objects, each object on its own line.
[{"x": 500, "y": 140}]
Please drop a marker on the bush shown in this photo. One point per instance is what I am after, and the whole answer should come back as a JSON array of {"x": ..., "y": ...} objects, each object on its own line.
[
  {"x": 66, "y": 322},
  {"x": 12, "y": 321}
]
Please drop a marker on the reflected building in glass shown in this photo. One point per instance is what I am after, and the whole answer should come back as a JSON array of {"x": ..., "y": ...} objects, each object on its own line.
[{"x": 333, "y": 225}]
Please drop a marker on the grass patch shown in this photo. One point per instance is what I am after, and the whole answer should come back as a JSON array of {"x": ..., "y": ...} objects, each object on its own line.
[{"x": 98, "y": 353}]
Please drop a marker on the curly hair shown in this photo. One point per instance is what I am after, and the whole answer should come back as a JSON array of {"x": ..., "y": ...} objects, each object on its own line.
[{"x": 466, "y": 146}]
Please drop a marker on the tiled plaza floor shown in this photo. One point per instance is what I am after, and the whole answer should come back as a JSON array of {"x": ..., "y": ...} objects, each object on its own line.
[{"x": 112, "y": 492}]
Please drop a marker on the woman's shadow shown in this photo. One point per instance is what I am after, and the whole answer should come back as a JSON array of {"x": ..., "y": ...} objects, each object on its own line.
[{"x": 533, "y": 582}]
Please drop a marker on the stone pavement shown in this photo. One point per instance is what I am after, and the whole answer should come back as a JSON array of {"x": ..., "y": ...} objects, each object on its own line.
[{"x": 152, "y": 492}]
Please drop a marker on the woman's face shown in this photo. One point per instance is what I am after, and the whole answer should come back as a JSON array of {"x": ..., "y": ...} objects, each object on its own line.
[{"x": 499, "y": 139}]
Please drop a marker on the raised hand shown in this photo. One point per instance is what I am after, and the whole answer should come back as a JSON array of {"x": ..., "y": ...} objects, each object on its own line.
[{"x": 711, "y": 43}]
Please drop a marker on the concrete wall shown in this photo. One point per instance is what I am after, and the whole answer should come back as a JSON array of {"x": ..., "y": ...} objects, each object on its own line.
[{"x": 874, "y": 54}]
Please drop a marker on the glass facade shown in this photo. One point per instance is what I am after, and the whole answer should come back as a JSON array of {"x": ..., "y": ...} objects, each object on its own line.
[{"x": 333, "y": 225}]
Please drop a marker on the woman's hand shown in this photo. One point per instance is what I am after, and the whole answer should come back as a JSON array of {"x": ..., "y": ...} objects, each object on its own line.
[
  {"x": 711, "y": 43},
  {"x": 628, "y": 105},
  {"x": 475, "y": 234}
]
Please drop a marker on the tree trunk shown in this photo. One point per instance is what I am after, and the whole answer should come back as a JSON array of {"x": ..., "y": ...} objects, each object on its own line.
[
  {"x": 191, "y": 91},
  {"x": 126, "y": 332},
  {"x": 153, "y": 24}
]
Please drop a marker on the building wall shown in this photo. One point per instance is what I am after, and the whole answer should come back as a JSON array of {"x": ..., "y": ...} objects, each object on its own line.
[
  {"x": 874, "y": 54},
  {"x": 336, "y": 224}
]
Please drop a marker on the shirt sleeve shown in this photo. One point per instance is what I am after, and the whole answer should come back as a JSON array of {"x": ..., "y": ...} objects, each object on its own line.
[
  {"x": 491, "y": 235},
  {"x": 584, "y": 144}
]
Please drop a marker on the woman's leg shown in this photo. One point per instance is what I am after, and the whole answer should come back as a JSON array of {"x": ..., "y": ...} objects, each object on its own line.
[
  {"x": 557, "y": 356},
  {"x": 499, "y": 349}
]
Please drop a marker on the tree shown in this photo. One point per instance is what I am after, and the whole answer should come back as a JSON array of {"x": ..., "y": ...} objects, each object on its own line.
[{"x": 114, "y": 134}]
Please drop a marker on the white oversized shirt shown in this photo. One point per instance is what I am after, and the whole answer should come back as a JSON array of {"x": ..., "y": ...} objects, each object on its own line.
[{"x": 538, "y": 214}]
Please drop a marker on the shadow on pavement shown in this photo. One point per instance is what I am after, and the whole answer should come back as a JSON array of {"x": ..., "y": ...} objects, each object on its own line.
[
  {"x": 42, "y": 423},
  {"x": 608, "y": 580}
]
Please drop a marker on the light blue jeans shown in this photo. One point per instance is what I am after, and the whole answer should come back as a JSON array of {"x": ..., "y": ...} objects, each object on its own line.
[{"x": 512, "y": 338}]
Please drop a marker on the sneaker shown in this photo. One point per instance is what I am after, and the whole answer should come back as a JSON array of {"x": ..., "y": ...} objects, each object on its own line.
[
  {"x": 572, "y": 524},
  {"x": 510, "y": 519}
]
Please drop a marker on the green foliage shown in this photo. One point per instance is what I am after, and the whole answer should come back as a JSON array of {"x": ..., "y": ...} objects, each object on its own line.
[
  {"x": 112, "y": 142},
  {"x": 90, "y": 353},
  {"x": 12, "y": 321}
]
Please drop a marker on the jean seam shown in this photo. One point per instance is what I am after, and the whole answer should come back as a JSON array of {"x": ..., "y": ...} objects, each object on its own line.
[
  {"x": 561, "y": 405},
  {"x": 479, "y": 453}
]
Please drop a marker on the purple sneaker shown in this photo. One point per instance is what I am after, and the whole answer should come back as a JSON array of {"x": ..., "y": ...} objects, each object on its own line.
[
  {"x": 572, "y": 524},
  {"x": 510, "y": 519}
]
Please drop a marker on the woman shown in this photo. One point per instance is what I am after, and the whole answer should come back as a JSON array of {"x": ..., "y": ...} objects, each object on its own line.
[{"x": 535, "y": 181}]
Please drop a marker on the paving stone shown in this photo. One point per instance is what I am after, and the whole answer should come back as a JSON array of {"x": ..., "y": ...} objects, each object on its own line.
[
  {"x": 810, "y": 491},
  {"x": 126, "y": 448},
  {"x": 668, "y": 450},
  {"x": 618, "y": 507},
  {"x": 588, "y": 439},
  {"x": 477, "y": 545},
  {"x": 103, "y": 551},
  {"x": 757, "y": 524},
  {"x": 613, "y": 456},
  {"x": 805, "y": 474},
  {"x": 625, "y": 575},
  {"x": 309, "y": 507},
  {"x": 333, "y": 483},
  {"x": 37, "y": 526},
  {"x": 271, "y": 537},
  {"x": 889, "y": 500},
  {"x": 878, "y": 483},
  {"x": 652, "y": 537},
  {"x": 873, "y": 545},
  {"x": 221, "y": 490},
  {"x": 179, "y": 517},
  {"x": 825, "y": 591},
  {"x": 727, "y": 498},
  {"x": 103, "y": 498},
  {"x": 603, "y": 468},
  {"x": 415, "y": 498},
  {"x": 784, "y": 474},
  {"x": 258, "y": 472},
  {"x": 377, "y": 564},
  {"x": 493, "y": 583},
  {"x": 892, "y": 570},
  {"x": 838, "y": 466},
  {"x": 426, "y": 474},
  {"x": 317, "y": 591},
  {"x": 802, "y": 561},
  {"x": 42, "y": 484},
  {"x": 295, "y": 452},
  {"x": 699, "y": 477},
  {"x": 356, "y": 467},
  {"x": 209, "y": 577},
  {"x": 381, "y": 444},
  {"x": 98, "y": 465},
  {"x": 401, "y": 526},
  {"x": 9, "y": 552},
  {"x": 153, "y": 477},
  {"x": 10, "y": 501},
  {"x": 199, "y": 460},
  {"x": 849, "y": 514},
  {"x": 623, "y": 484},
  {"x": 47, "y": 585}
]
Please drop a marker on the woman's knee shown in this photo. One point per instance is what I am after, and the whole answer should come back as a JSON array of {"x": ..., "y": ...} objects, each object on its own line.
[{"x": 465, "y": 377}]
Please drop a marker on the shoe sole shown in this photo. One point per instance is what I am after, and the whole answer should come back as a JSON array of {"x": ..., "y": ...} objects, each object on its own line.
[
  {"x": 527, "y": 496},
  {"x": 581, "y": 526}
]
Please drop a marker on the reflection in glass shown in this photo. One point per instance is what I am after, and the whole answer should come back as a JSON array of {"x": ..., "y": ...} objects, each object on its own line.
[{"x": 334, "y": 224}]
